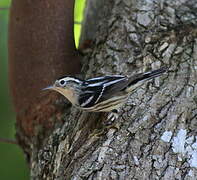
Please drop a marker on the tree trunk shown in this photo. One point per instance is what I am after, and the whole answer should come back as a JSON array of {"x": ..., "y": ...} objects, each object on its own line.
[{"x": 155, "y": 136}]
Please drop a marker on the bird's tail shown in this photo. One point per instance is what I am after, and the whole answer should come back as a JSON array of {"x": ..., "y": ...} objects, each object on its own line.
[{"x": 138, "y": 79}]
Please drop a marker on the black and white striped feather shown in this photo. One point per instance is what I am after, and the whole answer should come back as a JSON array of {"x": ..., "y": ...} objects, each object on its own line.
[
  {"x": 100, "y": 89},
  {"x": 109, "y": 92}
]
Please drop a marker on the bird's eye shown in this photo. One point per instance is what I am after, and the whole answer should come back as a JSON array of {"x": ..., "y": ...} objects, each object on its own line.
[{"x": 62, "y": 82}]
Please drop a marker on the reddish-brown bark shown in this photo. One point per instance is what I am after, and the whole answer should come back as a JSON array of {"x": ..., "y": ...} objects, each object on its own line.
[{"x": 41, "y": 49}]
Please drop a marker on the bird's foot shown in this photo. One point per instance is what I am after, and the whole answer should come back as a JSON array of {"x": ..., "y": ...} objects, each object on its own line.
[{"x": 112, "y": 117}]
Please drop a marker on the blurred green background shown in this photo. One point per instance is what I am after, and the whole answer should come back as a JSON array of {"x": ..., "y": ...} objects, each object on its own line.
[{"x": 12, "y": 161}]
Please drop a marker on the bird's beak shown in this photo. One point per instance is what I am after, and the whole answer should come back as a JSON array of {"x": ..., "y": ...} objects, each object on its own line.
[{"x": 48, "y": 88}]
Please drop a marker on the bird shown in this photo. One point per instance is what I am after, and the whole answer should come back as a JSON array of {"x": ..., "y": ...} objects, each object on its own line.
[{"x": 102, "y": 94}]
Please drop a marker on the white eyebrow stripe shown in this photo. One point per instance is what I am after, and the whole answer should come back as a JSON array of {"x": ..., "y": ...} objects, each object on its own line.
[
  {"x": 70, "y": 79},
  {"x": 87, "y": 101}
]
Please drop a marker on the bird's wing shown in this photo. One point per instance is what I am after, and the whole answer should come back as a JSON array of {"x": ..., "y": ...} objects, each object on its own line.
[{"x": 101, "y": 88}]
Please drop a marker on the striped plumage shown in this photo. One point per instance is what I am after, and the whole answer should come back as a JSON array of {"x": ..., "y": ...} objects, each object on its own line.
[{"x": 101, "y": 94}]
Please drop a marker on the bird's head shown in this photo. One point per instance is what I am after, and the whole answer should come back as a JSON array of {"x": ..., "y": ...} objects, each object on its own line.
[{"x": 67, "y": 86}]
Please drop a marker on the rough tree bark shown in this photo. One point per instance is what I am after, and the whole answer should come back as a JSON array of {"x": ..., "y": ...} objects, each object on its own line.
[{"x": 155, "y": 136}]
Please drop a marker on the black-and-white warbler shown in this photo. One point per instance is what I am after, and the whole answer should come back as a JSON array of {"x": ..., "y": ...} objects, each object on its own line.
[{"x": 101, "y": 94}]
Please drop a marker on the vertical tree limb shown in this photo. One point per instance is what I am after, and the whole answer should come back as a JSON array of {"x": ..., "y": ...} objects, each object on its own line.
[{"x": 41, "y": 49}]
